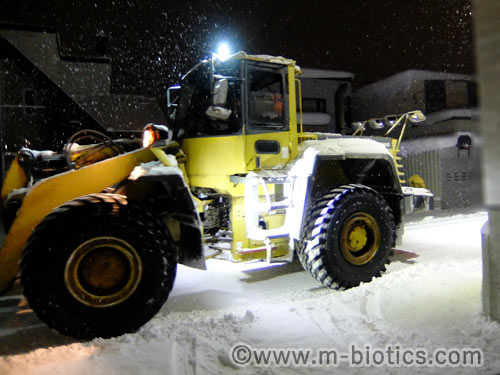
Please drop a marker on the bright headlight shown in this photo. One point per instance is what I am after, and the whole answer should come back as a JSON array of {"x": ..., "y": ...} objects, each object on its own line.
[{"x": 223, "y": 51}]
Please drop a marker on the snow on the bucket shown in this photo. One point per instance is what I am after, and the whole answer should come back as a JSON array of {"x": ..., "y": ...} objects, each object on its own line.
[
  {"x": 156, "y": 168},
  {"x": 429, "y": 297}
]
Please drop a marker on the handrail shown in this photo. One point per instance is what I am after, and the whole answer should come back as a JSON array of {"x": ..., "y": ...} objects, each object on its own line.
[{"x": 300, "y": 104}]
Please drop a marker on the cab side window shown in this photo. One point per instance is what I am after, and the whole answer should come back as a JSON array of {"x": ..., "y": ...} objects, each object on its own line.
[{"x": 266, "y": 98}]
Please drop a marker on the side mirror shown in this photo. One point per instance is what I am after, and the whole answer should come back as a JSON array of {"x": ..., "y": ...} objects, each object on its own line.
[{"x": 172, "y": 98}]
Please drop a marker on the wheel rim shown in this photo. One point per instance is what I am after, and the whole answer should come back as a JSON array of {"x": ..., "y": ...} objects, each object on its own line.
[
  {"x": 103, "y": 271},
  {"x": 360, "y": 238}
]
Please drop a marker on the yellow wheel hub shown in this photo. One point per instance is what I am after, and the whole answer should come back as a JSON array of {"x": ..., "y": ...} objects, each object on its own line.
[
  {"x": 103, "y": 271},
  {"x": 359, "y": 238}
]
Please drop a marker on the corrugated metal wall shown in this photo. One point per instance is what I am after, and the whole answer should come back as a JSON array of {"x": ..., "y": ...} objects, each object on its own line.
[
  {"x": 447, "y": 174},
  {"x": 426, "y": 165}
]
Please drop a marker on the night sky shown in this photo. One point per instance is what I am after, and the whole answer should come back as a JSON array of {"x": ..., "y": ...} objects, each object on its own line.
[{"x": 152, "y": 43}]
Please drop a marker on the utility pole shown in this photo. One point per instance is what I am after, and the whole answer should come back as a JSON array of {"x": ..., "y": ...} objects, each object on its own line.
[{"x": 486, "y": 14}]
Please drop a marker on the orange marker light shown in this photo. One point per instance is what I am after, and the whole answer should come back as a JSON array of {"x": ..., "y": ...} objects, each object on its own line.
[{"x": 155, "y": 135}]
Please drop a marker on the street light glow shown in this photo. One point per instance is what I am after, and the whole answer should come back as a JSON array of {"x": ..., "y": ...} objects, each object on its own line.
[{"x": 223, "y": 51}]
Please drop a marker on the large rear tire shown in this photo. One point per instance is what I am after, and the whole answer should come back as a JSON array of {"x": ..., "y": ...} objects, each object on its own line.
[
  {"x": 98, "y": 266},
  {"x": 348, "y": 236}
]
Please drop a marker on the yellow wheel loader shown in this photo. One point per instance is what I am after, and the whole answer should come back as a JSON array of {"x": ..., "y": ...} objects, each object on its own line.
[{"x": 95, "y": 232}]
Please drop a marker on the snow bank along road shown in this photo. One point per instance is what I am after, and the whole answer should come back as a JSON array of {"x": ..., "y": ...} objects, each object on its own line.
[{"x": 429, "y": 298}]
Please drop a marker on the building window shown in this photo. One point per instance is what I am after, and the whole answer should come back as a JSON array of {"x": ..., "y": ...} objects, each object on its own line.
[
  {"x": 471, "y": 95},
  {"x": 313, "y": 105},
  {"x": 456, "y": 94},
  {"x": 435, "y": 95}
]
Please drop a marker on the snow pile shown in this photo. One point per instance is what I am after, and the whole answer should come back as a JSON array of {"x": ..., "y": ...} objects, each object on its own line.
[
  {"x": 315, "y": 118},
  {"x": 268, "y": 58},
  {"x": 429, "y": 297},
  {"x": 309, "y": 150},
  {"x": 304, "y": 164},
  {"x": 425, "y": 144},
  {"x": 341, "y": 146},
  {"x": 409, "y": 190},
  {"x": 156, "y": 168}
]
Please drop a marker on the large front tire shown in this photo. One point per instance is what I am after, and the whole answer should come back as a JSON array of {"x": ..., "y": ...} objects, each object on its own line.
[
  {"x": 98, "y": 266},
  {"x": 348, "y": 236}
]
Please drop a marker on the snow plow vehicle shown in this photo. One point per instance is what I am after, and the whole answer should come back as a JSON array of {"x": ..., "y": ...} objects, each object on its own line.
[{"x": 95, "y": 232}]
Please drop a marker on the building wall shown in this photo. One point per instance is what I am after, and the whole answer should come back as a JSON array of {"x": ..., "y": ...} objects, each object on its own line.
[
  {"x": 23, "y": 102},
  {"x": 42, "y": 49},
  {"x": 387, "y": 97},
  {"x": 34, "y": 113},
  {"x": 46, "y": 97},
  {"x": 413, "y": 90}
]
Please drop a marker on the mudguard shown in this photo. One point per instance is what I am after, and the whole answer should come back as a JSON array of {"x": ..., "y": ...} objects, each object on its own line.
[
  {"x": 165, "y": 192},
  {"x": 337, "y": 161}
]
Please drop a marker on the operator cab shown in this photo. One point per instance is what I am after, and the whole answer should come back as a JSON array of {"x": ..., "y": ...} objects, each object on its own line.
[
  {"x": 208, "y": 103},
  {"x": 217, "y": 98}
]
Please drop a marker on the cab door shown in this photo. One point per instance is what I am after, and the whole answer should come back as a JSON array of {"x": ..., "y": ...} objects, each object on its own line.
[{"x": 267, "y": 123}]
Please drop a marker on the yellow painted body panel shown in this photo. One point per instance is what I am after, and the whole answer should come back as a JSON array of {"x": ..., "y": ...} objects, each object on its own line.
[
  {"x": 241, "y": 244},
  {"x": 292, "y": 105},
  {"x": 214, "y": 156},
  {"x": 211, "y": 161},
  {"x": 15, "y": 179},
  {"x": 51, "y": 192},
  {"x": 267, "y": 161}
]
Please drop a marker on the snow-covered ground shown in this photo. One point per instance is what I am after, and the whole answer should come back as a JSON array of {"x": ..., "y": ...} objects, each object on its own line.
[{"x": 429, "y": 298}]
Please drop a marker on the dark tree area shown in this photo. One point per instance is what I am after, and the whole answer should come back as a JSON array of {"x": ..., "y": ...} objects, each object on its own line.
[{"x": 152, "y": 43}]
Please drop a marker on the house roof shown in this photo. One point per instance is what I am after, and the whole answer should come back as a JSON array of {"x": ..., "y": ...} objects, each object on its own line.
[
  {"x": 326, "y": 74},
  {"x": 407, "y": 77}
]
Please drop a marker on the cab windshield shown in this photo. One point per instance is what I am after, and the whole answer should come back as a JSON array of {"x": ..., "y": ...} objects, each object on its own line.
[{"x": 195, "y": 98}]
